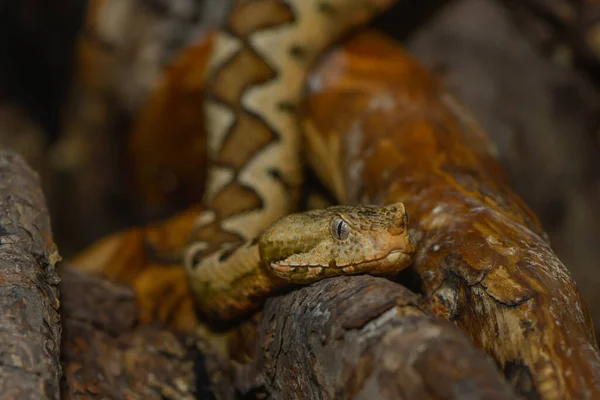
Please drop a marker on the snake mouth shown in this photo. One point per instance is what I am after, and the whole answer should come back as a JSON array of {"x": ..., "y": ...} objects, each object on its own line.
[{"x": 394, "y": 261}]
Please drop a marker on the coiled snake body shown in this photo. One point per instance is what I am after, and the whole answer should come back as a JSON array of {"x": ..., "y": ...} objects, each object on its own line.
[{"x": 247, "y": 242}]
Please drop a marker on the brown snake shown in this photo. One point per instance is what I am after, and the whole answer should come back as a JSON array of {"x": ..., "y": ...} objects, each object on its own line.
[{"x": 247, "y": 242}]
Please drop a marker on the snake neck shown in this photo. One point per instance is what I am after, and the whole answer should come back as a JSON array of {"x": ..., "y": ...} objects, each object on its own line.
[{"x": 245, "y": 269}]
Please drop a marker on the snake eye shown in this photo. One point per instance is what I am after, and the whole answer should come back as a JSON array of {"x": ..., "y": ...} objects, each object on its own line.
[{"x": 339, "y": 229}]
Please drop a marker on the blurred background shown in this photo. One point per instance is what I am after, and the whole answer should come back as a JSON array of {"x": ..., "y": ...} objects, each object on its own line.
[{"x": 103, "y": 97}]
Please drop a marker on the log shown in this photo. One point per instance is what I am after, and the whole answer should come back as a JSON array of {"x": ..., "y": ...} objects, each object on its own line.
[
  {"x": 31, "y": 331},
  {"x": 484, "y": 261},
  {"x": 361, "y": 338},
  {"x": 106, "y": 353},
  {"x": 103, "y": 351}
]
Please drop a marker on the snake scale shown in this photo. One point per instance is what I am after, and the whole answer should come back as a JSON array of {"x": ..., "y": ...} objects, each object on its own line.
[{"x": 249, "y": 242}]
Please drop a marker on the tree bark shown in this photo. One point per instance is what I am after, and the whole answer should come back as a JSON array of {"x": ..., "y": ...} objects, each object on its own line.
[
  {"x": 106, "y": 354},
  {"x": 103, "y": 352},
  {"x": 484, "y": 261},
  {"x": 31, "y": 332},
  {"x": 361, "y": 338}
]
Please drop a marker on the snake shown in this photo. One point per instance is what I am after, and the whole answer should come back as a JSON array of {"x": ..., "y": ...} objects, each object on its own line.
[{"x": 250, "y": 241}]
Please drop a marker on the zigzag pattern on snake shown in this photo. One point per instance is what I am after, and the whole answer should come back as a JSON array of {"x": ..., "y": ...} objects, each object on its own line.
[{"x": 256, "y": 75}]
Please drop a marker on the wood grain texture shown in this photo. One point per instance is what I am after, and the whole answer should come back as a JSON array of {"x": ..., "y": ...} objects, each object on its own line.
[
  {"x": 484, "y": 261},
  {"x": 30, "y": 331}
]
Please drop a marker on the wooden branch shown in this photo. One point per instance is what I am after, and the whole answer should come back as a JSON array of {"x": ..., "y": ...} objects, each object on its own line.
[
  {"x": 361, "y": 337},
  {"x": 30, "y": 325},
  {"x": 484, "y": 261},
  {"x": 105, "y": 354}
]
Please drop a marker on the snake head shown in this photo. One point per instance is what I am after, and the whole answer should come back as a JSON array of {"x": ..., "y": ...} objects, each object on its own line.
[{"x": 339, "y": 240}]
